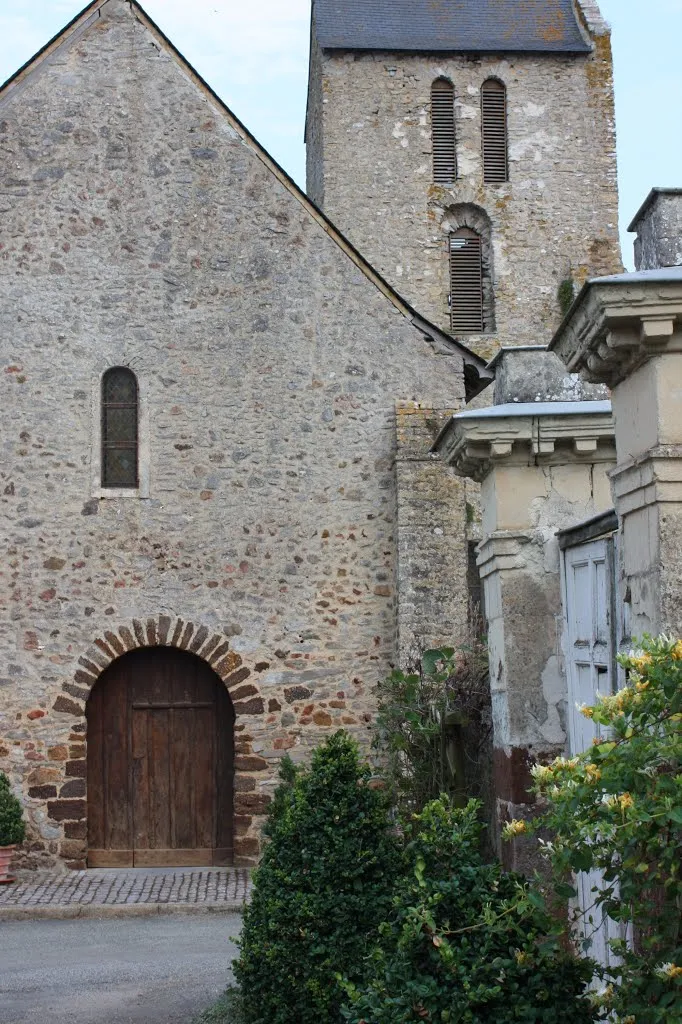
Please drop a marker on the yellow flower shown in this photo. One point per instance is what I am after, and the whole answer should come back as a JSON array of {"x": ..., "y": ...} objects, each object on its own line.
[
  {"x": 603, "y": 997},
  {"x": 669, "y": 971},
  {"x": 542, "y": 773},
  {"x": 641, "y": 685},
  {"x": 622, "y": 802},
  {"x": 641, "y": 662},
  {"x": 592, "y": 772},
  {"x": 514, "y": 828},
  {"x": 677, "y": 651},
  {"x": 521, "y": 957},
  {"x": 586, "y": 711}
]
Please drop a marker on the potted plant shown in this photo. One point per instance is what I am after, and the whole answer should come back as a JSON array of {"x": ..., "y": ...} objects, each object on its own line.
[{"x": 12, "y": 828}]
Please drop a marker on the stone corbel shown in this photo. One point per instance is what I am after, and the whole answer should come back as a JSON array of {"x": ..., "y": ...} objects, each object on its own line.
[
  {"x": 657, "y": 331},
  {"x": 503, "y": 552}
]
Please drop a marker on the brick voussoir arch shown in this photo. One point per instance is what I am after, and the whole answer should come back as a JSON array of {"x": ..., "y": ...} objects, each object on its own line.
[
  {"x": 70, "y": 807},
  {"x": 164, "y": 631}
]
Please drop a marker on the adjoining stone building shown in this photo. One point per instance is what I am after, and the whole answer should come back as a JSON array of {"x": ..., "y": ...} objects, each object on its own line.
[
  {"x": 198, "y": 483},
  {"x": 582, "y": 507},
  {"x": 458, "y": 139}
]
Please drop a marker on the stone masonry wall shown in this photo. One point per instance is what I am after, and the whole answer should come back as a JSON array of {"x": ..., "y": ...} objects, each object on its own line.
[
  {"x": 370, "y": 166},
  {"x": 432, "y": 548},
  {"x": 138, "y": 228}
]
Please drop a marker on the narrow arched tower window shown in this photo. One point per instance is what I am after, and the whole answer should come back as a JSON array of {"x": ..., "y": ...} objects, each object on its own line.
[
  {"x": 119, "y": 428},
  {"x": 443, "y": 131},
  {"x": 494, "y": 130},
  {"x": 466, "y": 282}
]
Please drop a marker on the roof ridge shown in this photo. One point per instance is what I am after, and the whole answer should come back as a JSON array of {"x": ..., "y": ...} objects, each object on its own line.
[{"x": 84, "y": 18}]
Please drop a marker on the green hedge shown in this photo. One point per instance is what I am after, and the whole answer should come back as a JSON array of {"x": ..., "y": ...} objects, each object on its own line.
[
  {"x": 324, "y": 885},
  {"x": 467, "y": 942}
]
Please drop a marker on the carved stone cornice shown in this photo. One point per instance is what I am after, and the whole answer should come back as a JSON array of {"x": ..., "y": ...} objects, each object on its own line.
[
  {"x": 503, "y": 551},
  {"x": 654, "y": 478},
  {"x": 543, "y": 433},
  {"x": 617, "y": 323}
]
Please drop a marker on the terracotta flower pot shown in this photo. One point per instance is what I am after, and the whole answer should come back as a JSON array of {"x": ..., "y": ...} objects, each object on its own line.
[{"x": 6, "y": 854}]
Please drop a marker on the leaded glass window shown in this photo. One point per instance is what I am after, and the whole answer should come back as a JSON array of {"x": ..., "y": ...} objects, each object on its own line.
[{"x": 119, "y": 428}]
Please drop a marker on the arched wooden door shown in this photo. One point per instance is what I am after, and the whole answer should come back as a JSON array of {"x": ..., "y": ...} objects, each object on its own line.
[{"x": 160, "y": 763}]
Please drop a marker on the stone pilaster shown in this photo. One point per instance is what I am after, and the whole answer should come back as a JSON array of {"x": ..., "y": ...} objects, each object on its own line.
[
  {"x": 626, "y": 331},
  {"x": 542, "y": 468}
]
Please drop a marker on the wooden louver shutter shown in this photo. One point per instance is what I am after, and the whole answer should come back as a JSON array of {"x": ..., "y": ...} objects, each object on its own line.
[
  {"x": 443, "y": 132},
  {"x": 466, "y": 282},
  {"x": 494, "y": 129}
]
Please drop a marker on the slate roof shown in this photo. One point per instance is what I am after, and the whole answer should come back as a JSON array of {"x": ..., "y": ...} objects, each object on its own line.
[{"x": 483, "y": 26}]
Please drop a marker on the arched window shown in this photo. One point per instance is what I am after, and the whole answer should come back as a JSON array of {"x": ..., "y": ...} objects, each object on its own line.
[
  {"x": 119, "y": 428},
  {"x": 494, "y": 131},
  {"x": 466, "y": 282},
  {"x": 443, "y": 131}
]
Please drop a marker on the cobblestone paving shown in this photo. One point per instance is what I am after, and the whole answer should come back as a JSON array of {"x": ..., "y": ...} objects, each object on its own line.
[{"x": 128, "y": 887}]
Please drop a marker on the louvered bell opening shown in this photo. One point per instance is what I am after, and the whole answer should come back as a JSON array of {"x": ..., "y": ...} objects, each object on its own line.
[
  {"x": 466, "y": 282},
  {"x": 443, "y": 132},
  {"x": 494, "y": 120}
]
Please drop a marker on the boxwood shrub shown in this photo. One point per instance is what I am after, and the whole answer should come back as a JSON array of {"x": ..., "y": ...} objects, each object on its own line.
[
  {"x": 324, "y": 885},
  {"x": 466, "y": 941}
]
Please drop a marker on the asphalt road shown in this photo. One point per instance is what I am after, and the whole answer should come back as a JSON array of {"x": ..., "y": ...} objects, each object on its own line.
[{"x": 137, "y": 970}]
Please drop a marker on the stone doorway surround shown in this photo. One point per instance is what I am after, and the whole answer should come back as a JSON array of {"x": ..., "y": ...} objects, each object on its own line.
[{"x": 66, "y": 802}]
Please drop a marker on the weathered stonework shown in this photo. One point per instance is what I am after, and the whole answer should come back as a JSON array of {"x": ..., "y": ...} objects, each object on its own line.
[
  {"x": 626, "y": 331},
  {"x": 432, "y": 593},
  {"x": 370, "y": 169},
  {"x": 542, "y": 467},
  {"x": 142, "y": 226}
]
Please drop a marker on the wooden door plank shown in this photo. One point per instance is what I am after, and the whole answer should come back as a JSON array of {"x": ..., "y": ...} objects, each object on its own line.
[
  {"x": 158, "y": 858},
  {"x": 183, "y": 809},
  {"x": 223, "y": 857},
  {"x": 140, "y": 778},
  {"x": 205, "y": 778},
  {"x": 110, "y": 859},
  {"x": 159, "y": 780}
]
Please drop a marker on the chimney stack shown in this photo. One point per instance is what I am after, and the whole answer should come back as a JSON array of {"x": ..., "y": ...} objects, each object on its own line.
[{"x": 658, "y": 224}]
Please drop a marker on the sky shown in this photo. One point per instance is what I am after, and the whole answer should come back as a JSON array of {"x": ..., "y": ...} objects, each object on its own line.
[{"x": 254, "y": 53}]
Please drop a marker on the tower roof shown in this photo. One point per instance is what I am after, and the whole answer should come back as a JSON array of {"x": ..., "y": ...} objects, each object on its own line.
[{"x": 484, "y": 26}]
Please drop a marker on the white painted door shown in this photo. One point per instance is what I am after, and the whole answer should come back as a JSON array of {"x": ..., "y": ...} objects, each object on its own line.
[
  {"x": 589, "y": 609},
  {"x": 588, "y": 576}
]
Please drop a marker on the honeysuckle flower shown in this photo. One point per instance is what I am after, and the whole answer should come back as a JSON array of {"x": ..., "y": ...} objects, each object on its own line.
[
  {"x": 514, "y": 828},
  {"x": 542, "y": 773},
  {"x": 667, "y": 971},
  {"x": 602, "y": 997}
]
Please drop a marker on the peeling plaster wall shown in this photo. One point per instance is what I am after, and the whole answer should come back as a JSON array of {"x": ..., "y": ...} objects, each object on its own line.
[
  {"x": 523, "y": 508},
  {"x": 138, "y": 229},
  {"x": 556, "y": 216}
]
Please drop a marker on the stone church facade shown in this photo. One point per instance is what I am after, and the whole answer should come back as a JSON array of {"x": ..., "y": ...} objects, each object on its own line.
[{"x": 272, "y": 525}]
